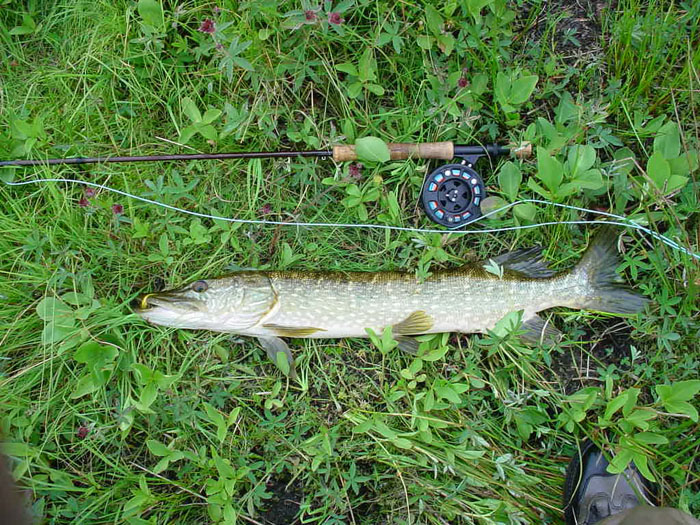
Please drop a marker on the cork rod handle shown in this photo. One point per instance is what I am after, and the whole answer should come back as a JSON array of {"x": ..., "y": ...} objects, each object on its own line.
[{"x": 401, "y": 151}]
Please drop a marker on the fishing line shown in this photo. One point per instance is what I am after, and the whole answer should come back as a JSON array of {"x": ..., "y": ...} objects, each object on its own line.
[{"x": 620, "y": 220}]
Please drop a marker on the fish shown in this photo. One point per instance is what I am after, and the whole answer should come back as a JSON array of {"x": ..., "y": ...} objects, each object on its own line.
[{"x": 274, "y": 305}]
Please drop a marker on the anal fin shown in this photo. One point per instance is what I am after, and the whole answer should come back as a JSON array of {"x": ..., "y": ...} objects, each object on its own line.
[
  {"x": 407, "y": 344},
  {"x": 275, "y": 345},
  {"x": 417, "y": 323},
  {"x": 538, "y": 331}
]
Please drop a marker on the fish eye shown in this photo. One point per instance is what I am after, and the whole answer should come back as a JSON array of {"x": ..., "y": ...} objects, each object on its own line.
[{"x": 200, "y": 286}]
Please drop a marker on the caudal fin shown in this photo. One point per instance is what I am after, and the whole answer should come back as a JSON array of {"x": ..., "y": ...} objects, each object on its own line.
[{"x": 605, "y": 290}]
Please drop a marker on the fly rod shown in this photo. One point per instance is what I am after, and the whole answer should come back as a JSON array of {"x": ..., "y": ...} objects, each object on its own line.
[{"x": 451, "y": 196}]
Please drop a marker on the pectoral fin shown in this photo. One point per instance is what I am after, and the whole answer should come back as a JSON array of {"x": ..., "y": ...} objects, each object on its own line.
[
  {"x": 417, "y": 323},
  {"x": 292, "y": 331},
  {"x": 538, "y": 331},
  {"x": 275, "y": 345}
]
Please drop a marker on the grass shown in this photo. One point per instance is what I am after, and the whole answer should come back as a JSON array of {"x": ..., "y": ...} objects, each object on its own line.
[{"x": 110, "y": 420}]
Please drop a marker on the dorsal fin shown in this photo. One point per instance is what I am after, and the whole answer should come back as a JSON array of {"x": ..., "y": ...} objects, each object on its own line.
[{"x": 527, "y": 261}]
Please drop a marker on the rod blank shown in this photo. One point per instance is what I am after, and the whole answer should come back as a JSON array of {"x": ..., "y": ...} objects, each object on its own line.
[
  {"x": 158, "y": 158},
  {"x": 426, "y": 150}
]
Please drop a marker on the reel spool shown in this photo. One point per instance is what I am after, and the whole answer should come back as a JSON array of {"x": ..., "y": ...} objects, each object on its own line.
[{"x": 452, "y": 193}]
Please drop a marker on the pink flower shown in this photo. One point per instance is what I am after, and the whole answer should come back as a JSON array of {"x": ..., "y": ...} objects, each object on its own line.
[
  {"x": 82, "y": 432},
  {"x": 117, "y": 209},
  {"x": 355, "y": 170},
  {"x": 207, "y": 26},
  {"x": 90, "y": 192},
  {"x": 83, "y": 203},
  {"x": 265, "y": 210},
  {"x": 310, "y": 15},
  {"x": 463, "y": 82},
  {"x": 217, "y": 10},
  {"x": 334, "y": 18}
]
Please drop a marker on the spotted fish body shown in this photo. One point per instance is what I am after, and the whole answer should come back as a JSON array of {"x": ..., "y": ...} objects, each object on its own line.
[
  {"x": 271, "y": 305},
  {"x": 346, "y": 304}
]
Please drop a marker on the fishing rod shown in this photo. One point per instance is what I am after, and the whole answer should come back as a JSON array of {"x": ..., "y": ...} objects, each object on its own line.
[{"x": 451, "y": 195}]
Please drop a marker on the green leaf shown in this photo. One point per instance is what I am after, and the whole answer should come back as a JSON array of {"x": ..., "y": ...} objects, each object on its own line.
[
  {"x": 522, "y": 88},
  {"x": 85, "y": 385},
  {"x": 355, "y": 89},
  {"x": 157, "y": 448},
  {"x": 424, "y": 42},
  {"x": 243, "y": 63},
  {"x": 7, "y": 174},
  {"x": 347, "y": 67},
  {"x": 148, "y": 395},
  {"x": 640, "y": 460},
  {"x": 620, "y": 461},
  {"x": 507, "y": 324},
  {"x": 145, "y": 374},
  {"x": 640, "y": 417},
  {"x": 375, "y": 88},
  {"x": 580, "y": 159},
  {"x": 615, "y": 404},
  {"x": 95, "y": 355},
  {"x": 208, "y": 132},
  {"x": 674, "y": 397},
  {"x": 211, "y": 115},
  {"x": 538, "y": 189},
  {"x": 668, "y": 141},
  {"x": 437, "y": 354},
  {"x": 433, "y": 20},
  {"x": 445, "y": 392},
  {"x": 475, "y": 6},
  {"x": 51, "y": 309},
  {"x": 589, "y": 180},
  {"x": 18, "y": 449},
  {"x": 631, "y": 401},
  {"x": 502, "y": 88},
  {"x": 190, "y": 109},
  {"x": 658, "y": 170},
  {"x": 282, "y": 363},
  {"x": 372, "y": 149},
  {"x": 446, "y": 43},
  {"x": 185, "y": 135},
  {"x": 651, "y": 438},
  {"x": 151, "y": 12},
  {"x": 624, "y": 161},
  {"x": 162, "y": 465},
  {"x": 491, "y": 204},
  {"x": 549, "y": 170},
  {"x": 402, "y": 443},
  {"x": 509, "y": 179},
  {"x": 525, "y": 211},
  {"x": 367, "y": 66},
  {"x": 53, "y": 333}
]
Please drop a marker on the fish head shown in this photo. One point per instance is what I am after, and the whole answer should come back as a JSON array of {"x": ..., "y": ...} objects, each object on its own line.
[{"x": 227, "y": 304}]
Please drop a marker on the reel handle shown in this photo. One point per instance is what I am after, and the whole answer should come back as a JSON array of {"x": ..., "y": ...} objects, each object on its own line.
[
  {"x": 436, "y": 150},
  {"x": 402, "y": 151}
]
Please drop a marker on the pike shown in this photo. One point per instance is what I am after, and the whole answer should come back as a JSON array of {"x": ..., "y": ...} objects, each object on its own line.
[{"x": 271, "y": 305}]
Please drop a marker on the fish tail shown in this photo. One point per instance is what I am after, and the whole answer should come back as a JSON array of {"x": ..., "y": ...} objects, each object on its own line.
[{"x": 605, "y": 290}]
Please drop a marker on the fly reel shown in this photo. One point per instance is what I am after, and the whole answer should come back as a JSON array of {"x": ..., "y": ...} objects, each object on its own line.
[{"x": 452, "y": 193}]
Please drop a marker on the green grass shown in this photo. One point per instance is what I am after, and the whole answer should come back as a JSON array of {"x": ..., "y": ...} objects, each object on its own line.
[{"x": 108, "y": 419}]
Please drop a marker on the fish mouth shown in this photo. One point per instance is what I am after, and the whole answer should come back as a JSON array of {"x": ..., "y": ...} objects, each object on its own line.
[{"x": 165, "y": 300}]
